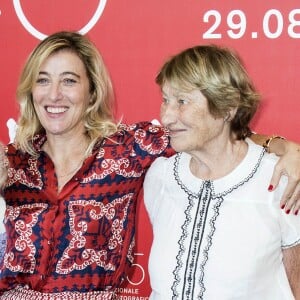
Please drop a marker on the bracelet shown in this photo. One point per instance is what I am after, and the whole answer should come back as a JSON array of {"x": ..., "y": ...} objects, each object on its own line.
[{"x": 267, "y": 143}]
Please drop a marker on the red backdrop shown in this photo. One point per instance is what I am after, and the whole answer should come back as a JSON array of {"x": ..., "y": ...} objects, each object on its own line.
[{"x": 135, "y": 37}]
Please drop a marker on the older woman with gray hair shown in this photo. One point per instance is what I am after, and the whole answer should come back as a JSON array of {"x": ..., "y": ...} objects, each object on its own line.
[{"x": 218, "y": 232}]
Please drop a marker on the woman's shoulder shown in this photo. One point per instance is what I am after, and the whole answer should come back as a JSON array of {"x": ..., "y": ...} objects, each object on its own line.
[
  {"x": 162, "y": 166},
  {"x": 11, "y": 149},
  {"x": 266, "y": 163},
  {"x": 269, "y": 159}
]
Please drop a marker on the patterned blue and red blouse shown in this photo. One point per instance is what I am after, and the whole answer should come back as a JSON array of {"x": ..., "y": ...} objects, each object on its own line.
[{"x": 80, "y": 239}]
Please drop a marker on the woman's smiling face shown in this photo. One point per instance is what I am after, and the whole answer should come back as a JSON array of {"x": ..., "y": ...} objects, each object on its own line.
[{"x": 61, "y": 93}]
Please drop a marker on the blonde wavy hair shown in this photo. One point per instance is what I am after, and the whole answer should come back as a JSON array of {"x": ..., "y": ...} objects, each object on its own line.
[
  {"x": 219, "y": 74},
  {"x": 99, "y": 116}
]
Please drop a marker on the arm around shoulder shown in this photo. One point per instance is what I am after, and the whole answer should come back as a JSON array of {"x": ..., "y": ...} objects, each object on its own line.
[{"x": 288, "y": 165}]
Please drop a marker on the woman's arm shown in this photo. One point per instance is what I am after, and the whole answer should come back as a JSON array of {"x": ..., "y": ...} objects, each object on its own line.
[
  {"x": 291, "y": 260},
  {"x": 288, "y": 164}
]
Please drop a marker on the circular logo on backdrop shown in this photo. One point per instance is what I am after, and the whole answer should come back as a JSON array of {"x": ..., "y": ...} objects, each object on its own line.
[{"x": 38, "y": 34}]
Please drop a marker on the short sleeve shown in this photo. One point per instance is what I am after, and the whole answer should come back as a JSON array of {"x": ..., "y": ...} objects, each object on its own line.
[
  {"x": 290, "y": 229},
  {"x": 153, "y": 187}
]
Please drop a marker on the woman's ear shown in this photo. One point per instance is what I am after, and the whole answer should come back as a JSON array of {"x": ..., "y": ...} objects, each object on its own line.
[{"x": 231, "y": 114}]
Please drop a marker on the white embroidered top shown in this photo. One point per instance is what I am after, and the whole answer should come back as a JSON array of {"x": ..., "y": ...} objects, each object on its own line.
[{"x": 221, "y": 239}]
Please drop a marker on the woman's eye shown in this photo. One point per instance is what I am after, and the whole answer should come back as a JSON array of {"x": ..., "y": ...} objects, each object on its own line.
[
  {"x": 182, "y": 101},
  {"x": 165, "y": 100},
  {"x": 69, "y": 81},
  {"x": 42, "y": 81}
]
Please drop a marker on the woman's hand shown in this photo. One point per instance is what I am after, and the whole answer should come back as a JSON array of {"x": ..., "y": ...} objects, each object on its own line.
[{"x": 289, "y": 165}]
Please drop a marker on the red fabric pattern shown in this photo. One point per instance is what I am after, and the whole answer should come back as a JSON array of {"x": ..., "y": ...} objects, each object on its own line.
[{"x": 82, "y": 238}]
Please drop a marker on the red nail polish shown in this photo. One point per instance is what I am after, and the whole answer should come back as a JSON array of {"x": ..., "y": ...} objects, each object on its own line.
[
  {"x": 288, "y": 211},
  {"x": 270, "y": 188},
  {"x": 296, "y": 212},
  {"x": 282, "y": 206}
]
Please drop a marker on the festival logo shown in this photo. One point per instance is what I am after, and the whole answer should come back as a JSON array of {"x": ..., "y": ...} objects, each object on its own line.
[{"x": 68, "y": 14}]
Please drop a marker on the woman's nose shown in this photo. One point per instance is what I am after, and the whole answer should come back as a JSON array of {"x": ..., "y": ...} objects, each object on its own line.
[
  {"x": 55, "y": 92},
  {"x": 168, "y": 114}
]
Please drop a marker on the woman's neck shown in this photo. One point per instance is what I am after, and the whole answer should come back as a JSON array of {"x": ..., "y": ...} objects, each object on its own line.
[
  {"x": 60, "y": 148},
  {"x": 67, "y": 156},
  {"x": 219, "y": 161}
]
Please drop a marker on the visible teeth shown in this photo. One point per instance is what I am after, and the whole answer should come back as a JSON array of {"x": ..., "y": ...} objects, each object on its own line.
[{"x": 56, "y": 110}]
